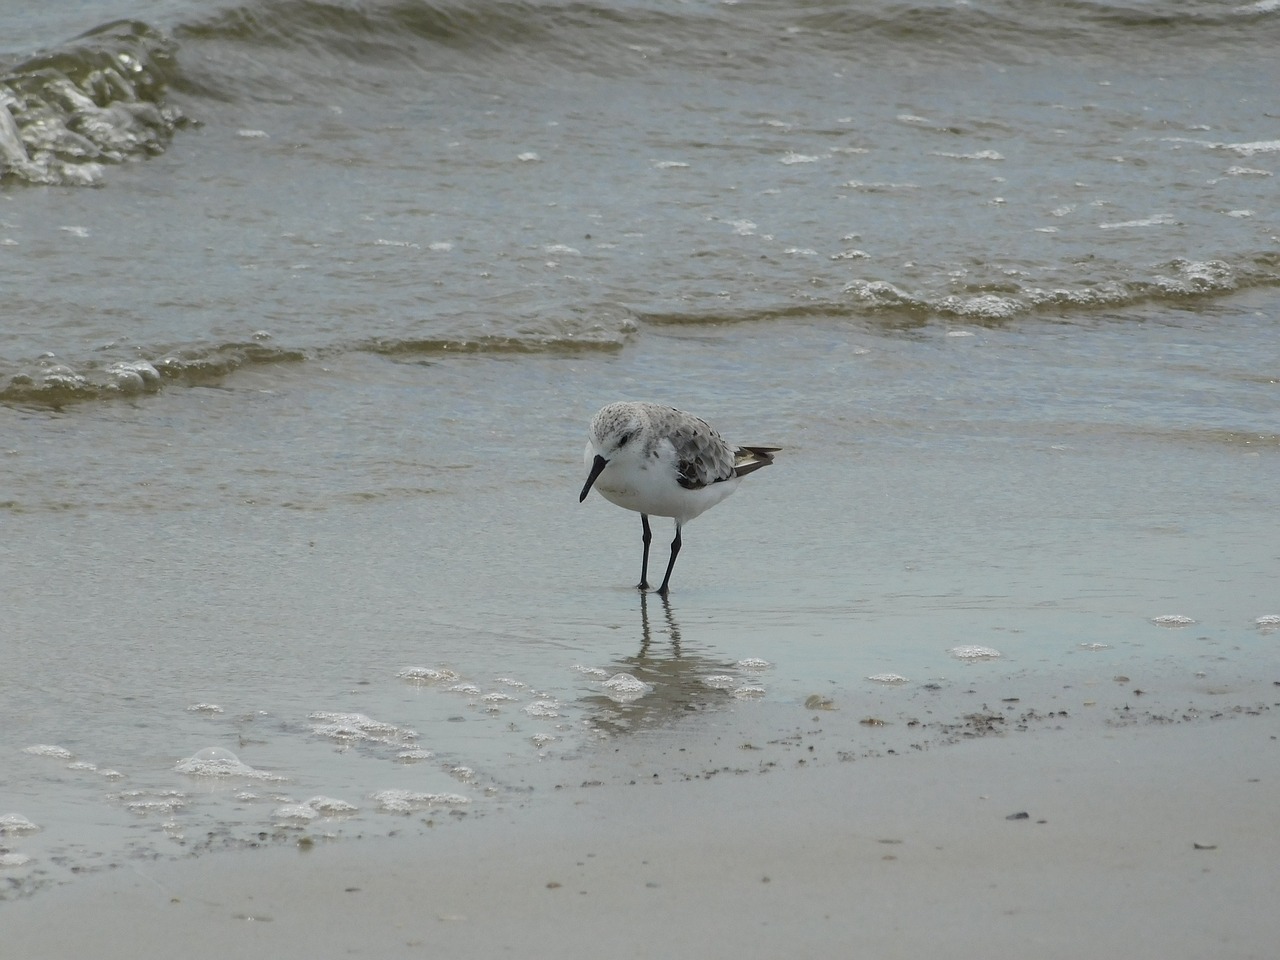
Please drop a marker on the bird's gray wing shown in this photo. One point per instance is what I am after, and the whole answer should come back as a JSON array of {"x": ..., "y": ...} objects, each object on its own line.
[{"x": 702, "y": 456}]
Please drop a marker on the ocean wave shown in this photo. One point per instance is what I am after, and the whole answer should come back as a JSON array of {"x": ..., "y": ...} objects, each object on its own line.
[
  {"x": 103, "y": 97},
  {"x": 445, "y": 34},
  {"x": 54, "y": 383},
  {"x": 890, "y": 306},
  {"x": 97, "y": 100},
  {"x": 1013, "y": 32},
  {"x": 640, "y": 34},
  {"x": 1180, "y": 281}
]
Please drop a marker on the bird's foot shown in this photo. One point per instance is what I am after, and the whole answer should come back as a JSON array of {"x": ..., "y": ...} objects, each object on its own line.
[{"x": 642, "y": 585}]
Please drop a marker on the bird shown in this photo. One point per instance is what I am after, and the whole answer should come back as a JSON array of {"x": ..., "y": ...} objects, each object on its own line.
[{"x": 663, "y": 462}]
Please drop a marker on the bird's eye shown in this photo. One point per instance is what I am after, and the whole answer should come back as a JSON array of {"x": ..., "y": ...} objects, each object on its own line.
[{"x": 624, "y": 439}]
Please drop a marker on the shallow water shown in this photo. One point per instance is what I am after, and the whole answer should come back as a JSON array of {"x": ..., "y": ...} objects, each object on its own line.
[{"x": 295, "y": 398}]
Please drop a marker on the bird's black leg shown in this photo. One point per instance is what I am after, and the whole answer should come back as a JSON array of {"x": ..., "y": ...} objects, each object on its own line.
[
  {"x": 644, "y": 563},
  {"x": 675, "y": 548}
]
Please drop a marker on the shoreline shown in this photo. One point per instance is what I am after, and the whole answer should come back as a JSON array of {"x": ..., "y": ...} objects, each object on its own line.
[{"x": 1147, "y": 841}]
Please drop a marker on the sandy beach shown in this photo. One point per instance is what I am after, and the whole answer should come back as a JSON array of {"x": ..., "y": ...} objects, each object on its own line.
[
  {"x": 1154, "y": 841},
  {"x": 311, "y": 647}
]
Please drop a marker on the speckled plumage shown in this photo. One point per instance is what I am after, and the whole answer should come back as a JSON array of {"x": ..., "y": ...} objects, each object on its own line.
[{"x": 663, "y": 462}]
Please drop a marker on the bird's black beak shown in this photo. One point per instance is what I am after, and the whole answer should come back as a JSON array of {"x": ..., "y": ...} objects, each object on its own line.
[{"x": 596, "y": 467}]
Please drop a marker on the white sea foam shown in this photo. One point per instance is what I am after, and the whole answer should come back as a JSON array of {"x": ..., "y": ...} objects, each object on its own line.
[
  {"x": 133, "y": 376},
  {"x": 974, "y": 652},
  {"x": 1172, "y": 620},
  {"x": 878, "y": 186},
  {"x": 147, "y": 802},
  {"x": 1254, "y": 147},
  {"x": 719, "y": 681},
  {"x": 1157, "y": 220},
  {"x": 16, "y": 825},
  {"x": 544, "y": 709},
  {"x": 975, "y": 155},
  {"x": 220, "y": 763},
  {"x": 986, "y": 306},
  {"x": 48, "y": 750},
  {"x": 409, "y": 801},
  {"x": 623, "y": 688},
  {"x": 331, "y": 807},
  {"x": 414, "y": 756},
  {"x": 879, "y": 293},
  {"x": 427, "y": 675},
  {"x": 354, "y": 727},
  {"x": 297, "y": 812}
]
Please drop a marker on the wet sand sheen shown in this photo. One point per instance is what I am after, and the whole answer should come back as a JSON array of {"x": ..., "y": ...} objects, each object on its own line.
[{"x": 1149, "y": 842}]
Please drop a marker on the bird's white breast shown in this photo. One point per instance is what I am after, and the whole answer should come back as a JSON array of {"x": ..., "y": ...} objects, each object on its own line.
[{"x": 650, "y": 485}]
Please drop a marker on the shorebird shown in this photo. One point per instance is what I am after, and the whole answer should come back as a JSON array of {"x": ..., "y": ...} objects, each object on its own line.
[{"x": 662, "y": 462}]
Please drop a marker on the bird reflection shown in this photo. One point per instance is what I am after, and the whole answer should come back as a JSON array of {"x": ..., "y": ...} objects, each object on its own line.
[
  {"x": 676, "y": 675},
  {"x": 646, "y": 632}
]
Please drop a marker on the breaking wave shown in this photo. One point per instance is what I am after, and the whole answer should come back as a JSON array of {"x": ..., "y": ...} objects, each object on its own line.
[{"x": 100, "y": 100}]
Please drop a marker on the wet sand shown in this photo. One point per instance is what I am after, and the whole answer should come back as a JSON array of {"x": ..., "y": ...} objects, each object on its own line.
[{"x": 1154, "y": 841}]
